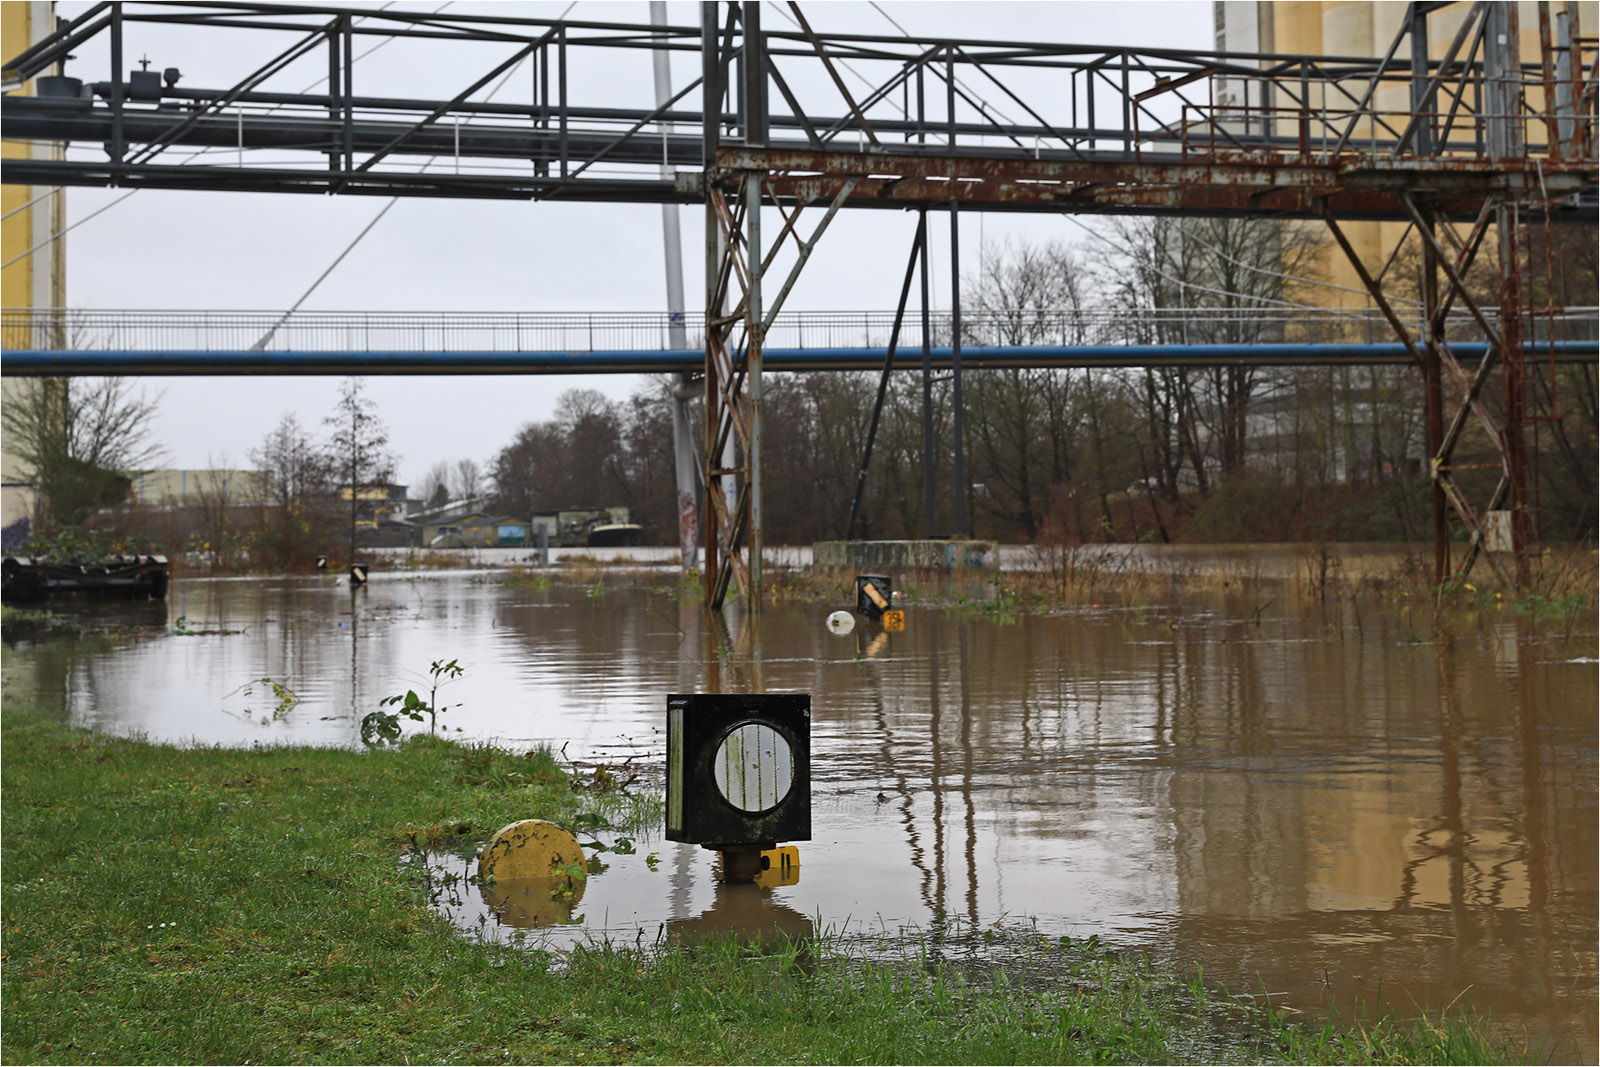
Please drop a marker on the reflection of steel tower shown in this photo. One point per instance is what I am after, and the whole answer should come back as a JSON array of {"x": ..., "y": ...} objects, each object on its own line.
[{"x": 33, "y": 217}]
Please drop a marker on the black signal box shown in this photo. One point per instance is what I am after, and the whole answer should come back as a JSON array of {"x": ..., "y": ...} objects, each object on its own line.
[
  {"x": 738, "y": 768},
  {"x": 873, "y": 594}
]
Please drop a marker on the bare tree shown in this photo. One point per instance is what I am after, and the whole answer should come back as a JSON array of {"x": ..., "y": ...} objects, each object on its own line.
[
  {"x": 466, "y": 481},
  {"x": 1220, "y": 276},
  {"x": 298, "y": 484},
  {"x": 83, "y": 438},
  {"x": 575, "y": 405},
  {"x": 215, "y": 496},
  {"x": 529, "y": 474},
  {"x": 435, "y": 485},
  {"x": 359, "y": 447},
  {"x": 1023, "y": 421},
  {"x": 296, "y": 468}
]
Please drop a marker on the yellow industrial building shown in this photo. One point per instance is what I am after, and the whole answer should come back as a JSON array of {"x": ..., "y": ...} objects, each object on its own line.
[
  {"x": 1363, "y": 28},
  {"x": 34, "y": 275}
]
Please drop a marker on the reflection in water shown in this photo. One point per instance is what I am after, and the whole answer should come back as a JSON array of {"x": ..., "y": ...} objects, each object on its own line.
[
  {"x": 748, "y": 913},
  {"x": 357, "y": 708},
  {"x": 1319, "y": 802},
  {"x": 529, "y": 903}
]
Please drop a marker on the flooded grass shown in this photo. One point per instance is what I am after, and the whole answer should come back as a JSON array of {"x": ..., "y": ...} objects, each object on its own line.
[
  {"x": 1562, "y": 597},
  {"x": 223, "y": 905}
]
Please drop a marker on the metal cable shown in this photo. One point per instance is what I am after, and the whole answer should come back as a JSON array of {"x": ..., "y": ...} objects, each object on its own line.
[
  {"x": 862, "y": 78},
  {"x": 964, "y": 85},
  {"x": 1294, "y": 277},
  {"x": 266, "y": 338},
  {"x": 185, "y": 161}
]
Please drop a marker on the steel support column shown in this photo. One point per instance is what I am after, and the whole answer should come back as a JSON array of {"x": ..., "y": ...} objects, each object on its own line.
[
  {"x": 1433, "y": 390},
  {"x": 683, "y": 386},
  {"x": 755, "y": 333},
  {"x": 1514, "y": 380},
  {"x": 733, "y": 329},
  {"x": 737, "y": 320},
  {"x": 1433, "y": 360}
]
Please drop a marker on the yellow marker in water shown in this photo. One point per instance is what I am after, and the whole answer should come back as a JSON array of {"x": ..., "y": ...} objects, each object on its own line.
[
  {"x": 779, "y": 866},
  {"x": 894, "y": 620}
]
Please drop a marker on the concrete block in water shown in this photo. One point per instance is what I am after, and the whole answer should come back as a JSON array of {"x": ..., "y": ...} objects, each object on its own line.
[{"x": 889, "y": 556}]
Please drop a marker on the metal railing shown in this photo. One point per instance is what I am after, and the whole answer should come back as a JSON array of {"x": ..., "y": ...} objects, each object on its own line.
[
  {"x": 100, "y": 330},
  {"x": 87, "y": 329}
]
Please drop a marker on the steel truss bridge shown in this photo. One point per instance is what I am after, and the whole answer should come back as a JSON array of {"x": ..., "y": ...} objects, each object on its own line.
[{"x": 773, "y": 142}]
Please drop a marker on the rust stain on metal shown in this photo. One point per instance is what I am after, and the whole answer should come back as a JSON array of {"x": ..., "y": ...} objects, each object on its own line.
[{"x": 1222, "y": 182}]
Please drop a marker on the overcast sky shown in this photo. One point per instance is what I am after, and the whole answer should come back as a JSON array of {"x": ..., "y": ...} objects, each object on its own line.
[{"x": 260, "y": 251}]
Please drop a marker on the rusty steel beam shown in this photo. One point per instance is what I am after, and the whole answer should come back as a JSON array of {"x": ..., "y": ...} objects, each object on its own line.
[
  {"x": 1513, "y": 376},
  {"x": 1401, "y": 332},
  {"x": 1254, "y": 185},
  {"x": 1473, "y": 386},
  {"x": 1434, "y": 356},
  {"x": 734, "y": 343},
  {"x": 1458, "y": 501},
  {"x": 1433, "y": 386}
]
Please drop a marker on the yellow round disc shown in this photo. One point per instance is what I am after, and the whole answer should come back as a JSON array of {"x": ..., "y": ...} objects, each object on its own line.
[{"x": 532, "y": 848}]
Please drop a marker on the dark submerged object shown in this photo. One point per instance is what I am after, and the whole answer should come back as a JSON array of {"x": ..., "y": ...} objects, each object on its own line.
[{"x": 25, "y": 580}]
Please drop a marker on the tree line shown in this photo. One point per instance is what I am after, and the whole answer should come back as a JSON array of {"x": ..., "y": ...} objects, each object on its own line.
[
  {"x": 1218, "y": 452},
  {"x": 83, "y": 440},
  {"x": 1223, "y": 452}
]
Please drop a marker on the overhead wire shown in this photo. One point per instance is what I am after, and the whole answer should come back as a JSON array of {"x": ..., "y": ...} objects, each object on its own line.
[
  {"x": 984, "y": 105},
  {"x": 862, "y": 78},
  {"x": 47, "y": 194},
  {"x": 56, "y": 236},
  {"x": 1297, "y": 279},
  {"x": 266, "y": 338},
  {"x": 182, "y": 162}
]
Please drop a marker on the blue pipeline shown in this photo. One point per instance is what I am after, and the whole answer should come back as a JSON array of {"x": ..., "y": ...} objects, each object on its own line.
[{"x": 45, "y": 362}]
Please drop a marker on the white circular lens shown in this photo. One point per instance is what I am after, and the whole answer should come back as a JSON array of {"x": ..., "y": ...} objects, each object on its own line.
[{"x": 754, "y": 767}]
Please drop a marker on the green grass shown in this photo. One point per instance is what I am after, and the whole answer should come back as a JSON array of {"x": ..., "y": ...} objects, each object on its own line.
[{"x": 210, "y": 905}]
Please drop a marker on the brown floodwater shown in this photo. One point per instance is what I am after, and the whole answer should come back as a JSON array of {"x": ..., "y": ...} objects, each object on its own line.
[{"x": 1310, "y": 800}]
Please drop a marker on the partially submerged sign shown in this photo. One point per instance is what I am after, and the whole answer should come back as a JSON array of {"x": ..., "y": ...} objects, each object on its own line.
[
  {"x": 873, "y": 592},
  {"x": 738, "y": 769}
]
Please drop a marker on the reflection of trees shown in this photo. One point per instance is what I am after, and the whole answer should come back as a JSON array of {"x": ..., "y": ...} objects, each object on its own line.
[
  {"x": 44, "y": 655},
  {"x": 1346, "y": 805}
]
